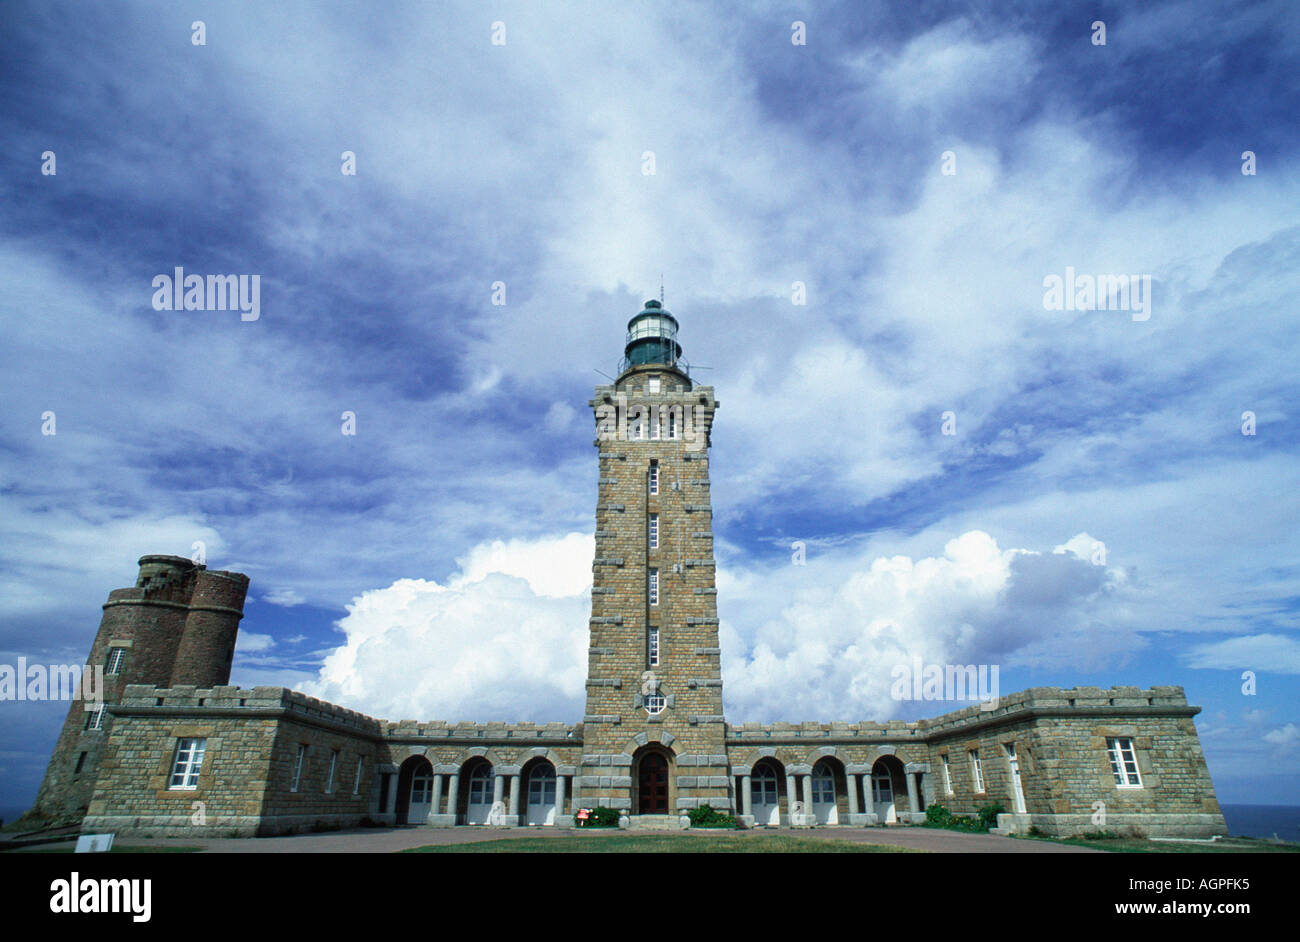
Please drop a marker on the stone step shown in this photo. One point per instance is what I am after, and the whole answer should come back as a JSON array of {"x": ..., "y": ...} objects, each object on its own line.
[{"x": 654, "y": 822}]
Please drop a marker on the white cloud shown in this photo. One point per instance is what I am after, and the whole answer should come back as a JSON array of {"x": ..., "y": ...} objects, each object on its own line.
[
  {"x": 1286, "y": 738},
  {"x": 1276, "y": 654},
  {"x": 285, "y": 597}
]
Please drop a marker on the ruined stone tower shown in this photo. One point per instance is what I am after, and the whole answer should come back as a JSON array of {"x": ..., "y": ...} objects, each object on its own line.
[
  {"x": 653, "y": 729},
  {"x": 177, "y": 625}
]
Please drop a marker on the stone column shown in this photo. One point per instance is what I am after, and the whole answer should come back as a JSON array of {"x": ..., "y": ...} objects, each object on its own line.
[
  {"x": 514, "y": 796},
  {"x": 912, "y": 804},
  {"x": 791, "y": 795},
  {"x": 498, "y": 788},
  {"x": 392, "y": 792},
  {"x": 852, "y": 781},
  {"x": 746, "y": 795},
  {"x": 559, "y": 800},
  {"x": 437, "y": 792},
  {"x": 807, "y": 795},
  {"x": 453, "y": 793}
]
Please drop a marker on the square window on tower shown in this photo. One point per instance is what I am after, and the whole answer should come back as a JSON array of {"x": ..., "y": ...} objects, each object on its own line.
[
  {"x": 654, "y": 477},
  {"x": 652, "y": 586},
  {"x": 654, "y": 531}
]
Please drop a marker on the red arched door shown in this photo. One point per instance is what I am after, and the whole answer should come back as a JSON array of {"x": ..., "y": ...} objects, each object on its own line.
[{"x": 652, "y": 785}]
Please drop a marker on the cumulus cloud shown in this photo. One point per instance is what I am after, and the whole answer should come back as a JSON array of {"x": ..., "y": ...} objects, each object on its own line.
[
  {"x": 829, "y": 649},
  {"x": 504, "y": 639},
  {"x": 284, "y": 597},
  {"x": 1286, "y": 738}
]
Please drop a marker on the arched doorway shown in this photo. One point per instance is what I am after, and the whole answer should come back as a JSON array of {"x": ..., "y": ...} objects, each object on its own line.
[
  {"x": 414, "y": 791},
  {"x": 539, "y": 785},
  {"x": 825, "y": 802},
  {"x": 887, "y": 789},
  {"x": 765, "y": 793},
  {"x": 476, "y": 791},
  {"x": 652, "y": 773}
]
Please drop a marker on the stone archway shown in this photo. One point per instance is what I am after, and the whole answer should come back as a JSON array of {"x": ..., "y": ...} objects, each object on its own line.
[{"x": 414, "y": 791}]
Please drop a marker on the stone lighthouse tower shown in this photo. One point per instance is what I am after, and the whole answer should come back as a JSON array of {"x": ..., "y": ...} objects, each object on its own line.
[{"x": 653, "y": 731}]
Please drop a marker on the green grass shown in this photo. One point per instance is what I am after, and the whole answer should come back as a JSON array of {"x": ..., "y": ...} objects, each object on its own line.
[
  {"x": 661, "y": 844},
  {"x": 1136, "y": 845}
]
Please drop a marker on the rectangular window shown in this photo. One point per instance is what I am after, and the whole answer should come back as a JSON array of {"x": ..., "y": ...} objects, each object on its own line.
[
  {"x": 188, "y": 762},
  {"x": 654, "y": 586},
  {"x": 656, "y": 421},
  {"x": 654, "y": 647},
  {"x": 975, "y": 772},
  {"x": 654, "y": 477},
  {"x": 115, "y": 659},
  {"x": 947, "y": 775},
  {"x": 654, "y": 531},
  {"x": 672, "y": 422},
  {"x": 297, "y": 767},
  {"x": 356, "y": 786},
  {"x": 654, "y": 384},
  {"x": 1123, "y": 763},
  {"x": 334, "y": 764},
  {"x": 95, "y": 719}
]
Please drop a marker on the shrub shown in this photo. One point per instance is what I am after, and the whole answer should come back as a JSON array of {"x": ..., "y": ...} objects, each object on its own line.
[
  {"x": 706, "y": 816},
  {"x": 937, "y": 816},
  {"x": 600, "y": 817},
  {"x": 989, "y": 815}
]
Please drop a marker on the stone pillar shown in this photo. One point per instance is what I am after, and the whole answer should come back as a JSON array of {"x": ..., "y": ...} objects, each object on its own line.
[
  {"x": 807, "y": 795},
  {"x": 559, "y": 801},
  {"x": 498, "y": 788},
  {"x": 852, "y": 781},
  {"x": 392, "y": 792},
  {"x": 746, "y": 795},
  {"x": 437, "y": 792},
  {"x": 453, "y": 792},
  {"x": 791, "y": 796},
  {"x": 514, "y": 800},
  {"x": 912, "y": 804}
]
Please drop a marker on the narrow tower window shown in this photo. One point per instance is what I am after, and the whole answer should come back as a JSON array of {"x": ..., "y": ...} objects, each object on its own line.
[
  {"x": 653, "y": 583},
  {"x": 334, "y": 764},
  {"x": 96, "y": 718},
  {"x": 115, "y": 659},
  {"x": 654, "y": 531},
  {"x": 297, "y": 767},
  {"x": 654, "y": 477},
  {"x": 976, "y": 774},
  {"x": 653, "y": 648}
]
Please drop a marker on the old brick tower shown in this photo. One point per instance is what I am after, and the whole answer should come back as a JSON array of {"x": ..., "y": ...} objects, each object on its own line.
[
  {"x": 177, "y": 625},
  {"x": 653, "y": 729}
]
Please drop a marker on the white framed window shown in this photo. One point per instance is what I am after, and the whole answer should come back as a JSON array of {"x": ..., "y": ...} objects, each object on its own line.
[
  {"x": 297, "y": 767},
  {"x": 654, "y": 477},
  {"x": 654, "y": 531},
  {"x": 823, "y": 784},
  {"x": 356, "y": 784},
  {"x": 655, "y": 703},
  {"x": 186, "y": 765},
  {"x": 636, "y": 429},
  {"x": 673, "y": 425},
  {"x": 653, "y": 384},
  {"x": 653, "y": 586},
  {"x": 976, "y": 773},
  {"x": 96, "y": 718},
  {"x": 947, "y": 775},
  {"x": 334, "y": 767},
  {"x": 656, "y": 421},
  {"x": 1123, "y": 763},
  {"x": 115, "y": 659},
  {"x": 653, "y": 647}
]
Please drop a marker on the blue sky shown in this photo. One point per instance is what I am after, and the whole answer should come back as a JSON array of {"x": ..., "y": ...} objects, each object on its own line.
[{"x": 437, "y": 563}]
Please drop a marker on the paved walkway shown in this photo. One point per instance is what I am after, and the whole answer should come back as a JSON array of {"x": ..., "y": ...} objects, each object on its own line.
[{"x": 390, "y": 840}]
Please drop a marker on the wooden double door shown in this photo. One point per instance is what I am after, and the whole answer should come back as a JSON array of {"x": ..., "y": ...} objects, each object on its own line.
[{"x": 652, "y": 784}]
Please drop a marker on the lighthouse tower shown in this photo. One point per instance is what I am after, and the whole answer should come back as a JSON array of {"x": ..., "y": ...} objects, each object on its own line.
[{"x": 653, "y": 731}]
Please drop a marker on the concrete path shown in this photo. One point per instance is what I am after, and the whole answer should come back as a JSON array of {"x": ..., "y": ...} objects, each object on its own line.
[{"x": 390, "y": 840}]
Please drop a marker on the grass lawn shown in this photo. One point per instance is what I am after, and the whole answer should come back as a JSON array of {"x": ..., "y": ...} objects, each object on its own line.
[
  {"x": 661, "y": 844},
  {"x": 1126, "y": 845}
]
